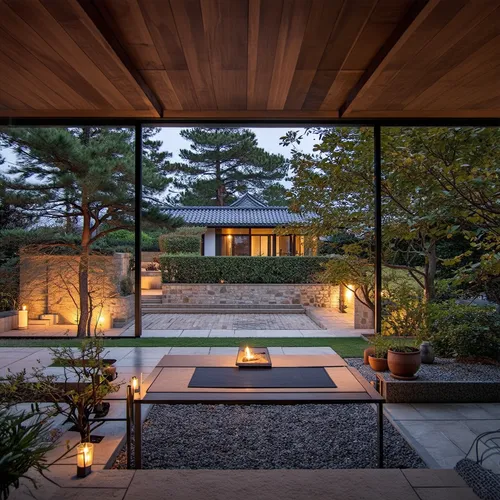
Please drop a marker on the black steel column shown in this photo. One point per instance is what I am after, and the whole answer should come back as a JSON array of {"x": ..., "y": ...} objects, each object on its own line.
[
  {"x": 378, "y": 227},
  {"x": 138, "y": 230}
]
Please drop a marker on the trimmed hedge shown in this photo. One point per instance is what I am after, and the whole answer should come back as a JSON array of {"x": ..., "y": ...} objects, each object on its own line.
[
  {"x": 175, "y": 244},
  {"x": 194, "y": 269}
]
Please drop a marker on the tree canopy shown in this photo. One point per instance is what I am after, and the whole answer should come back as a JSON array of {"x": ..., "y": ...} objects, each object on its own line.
[
  {"x": 223, "y": 163},
  {"x": 84, "y": 178},
  {"x": 436, "y": 183}
]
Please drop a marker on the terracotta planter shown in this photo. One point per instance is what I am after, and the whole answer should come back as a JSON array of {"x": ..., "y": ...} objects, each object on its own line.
[
  {"x": 404, "y": 364},
  {"x": 367, "y": 353},
  {"x": 378, "y": 364}
]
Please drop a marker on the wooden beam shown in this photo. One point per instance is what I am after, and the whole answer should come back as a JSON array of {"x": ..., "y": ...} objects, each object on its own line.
[
  {"x": 278, "y": 114},
  {"x": 105, "y": 28},
  {"x": 415, "y": 16}
]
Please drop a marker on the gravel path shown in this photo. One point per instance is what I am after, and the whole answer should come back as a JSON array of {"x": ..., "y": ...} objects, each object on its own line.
[
  {"x": 268, "y": 437},
  {"x": 446, "y": 370}
]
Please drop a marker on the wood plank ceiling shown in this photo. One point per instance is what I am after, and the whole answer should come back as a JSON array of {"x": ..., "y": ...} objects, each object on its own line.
[{"x": 258, "y": 59}]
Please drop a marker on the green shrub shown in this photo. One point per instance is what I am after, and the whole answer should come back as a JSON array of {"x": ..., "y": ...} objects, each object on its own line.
[
  {"x": 24, "y": 443},
  {"x": 404, "y": 311},
  {"x": 197, "y": 269},
  {"x": 173, "y": 243},
  {"x": 464, "y": 331}
]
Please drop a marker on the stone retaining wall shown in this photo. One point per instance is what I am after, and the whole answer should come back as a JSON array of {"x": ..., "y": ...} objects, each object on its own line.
[
  {"x": 49, "y": 285},
  {"x": 250, "y": 294},
  {"x": 8, "y": 321}
]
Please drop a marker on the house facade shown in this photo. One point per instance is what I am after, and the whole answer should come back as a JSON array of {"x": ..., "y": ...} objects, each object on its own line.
[{"x": 246, "y": 228}]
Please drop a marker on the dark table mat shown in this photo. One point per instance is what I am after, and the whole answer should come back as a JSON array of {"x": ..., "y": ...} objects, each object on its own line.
[{"x": 261, "y": 378}]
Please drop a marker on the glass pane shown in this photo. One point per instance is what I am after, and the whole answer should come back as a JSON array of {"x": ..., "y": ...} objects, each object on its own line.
[
  {"x": 260, "y": 246},
  {"x": 262, "y": 230},
  {"x": 283, "y": 245},
  {"x": 241, "y": 245},
  {"x": 227, "y": 245}
]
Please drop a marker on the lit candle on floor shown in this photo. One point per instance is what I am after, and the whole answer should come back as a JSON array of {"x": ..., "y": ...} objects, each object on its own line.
[{"x": 22, "y": 318}]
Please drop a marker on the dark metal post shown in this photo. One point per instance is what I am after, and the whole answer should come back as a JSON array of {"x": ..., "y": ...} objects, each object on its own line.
[
  {"x": 380, "y": 435},
  {"x": 378, "y": 227},
  {"x": 130, "y": 396},
  {"x": 137, "y": 434},
  {"x": 138, "y": 229}
]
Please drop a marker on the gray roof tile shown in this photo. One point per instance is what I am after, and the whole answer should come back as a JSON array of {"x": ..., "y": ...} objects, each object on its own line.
[{"x": 234, "y": 216}]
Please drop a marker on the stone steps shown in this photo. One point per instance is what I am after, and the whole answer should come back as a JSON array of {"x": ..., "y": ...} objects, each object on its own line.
[
  {"x": 221, "y": 309},
  {"x": 40, "y": 322}
]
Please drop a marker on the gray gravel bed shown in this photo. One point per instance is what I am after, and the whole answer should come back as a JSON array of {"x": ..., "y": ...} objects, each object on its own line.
[
  {"x": 268, "y": 437},
  {"x": 443, "y": 369}
]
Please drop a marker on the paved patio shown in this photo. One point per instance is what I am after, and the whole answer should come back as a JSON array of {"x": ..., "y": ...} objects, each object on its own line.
[
  {"x": 354, "y": 484},
  {"x": 443, "y": 433},
  {"x": 439, "y": 433},
  {"x": 318, "y": 322}
]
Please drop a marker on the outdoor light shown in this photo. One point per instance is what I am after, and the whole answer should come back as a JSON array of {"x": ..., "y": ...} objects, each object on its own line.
[
  {"x": 257, "y": 357},
  {"x": 349, "y": 292},
  {"x": 134, "y": 382},
  {"x": 22, "y": 318},
  {"x": 84, "y": 458}
]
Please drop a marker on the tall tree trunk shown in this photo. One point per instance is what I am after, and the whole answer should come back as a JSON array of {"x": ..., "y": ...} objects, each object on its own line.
[
  {"x": 83, "y": 273},
  {"x": 220, "y": 185},
  {"x": 430, "y": 272},
  {"x": 83, "y": 285}
]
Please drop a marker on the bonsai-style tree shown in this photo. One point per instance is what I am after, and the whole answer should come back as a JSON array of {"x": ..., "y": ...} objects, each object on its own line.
[
  {"x": 85, "y": 384},
  {"x": 223, "y": 162},
  {"x": 84, "y": 178}
]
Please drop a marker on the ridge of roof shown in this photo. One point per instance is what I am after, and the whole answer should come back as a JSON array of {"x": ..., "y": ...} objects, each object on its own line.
[{"x": 248, "y": 201}]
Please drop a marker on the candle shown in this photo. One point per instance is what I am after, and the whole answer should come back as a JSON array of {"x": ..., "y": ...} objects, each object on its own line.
[
  {"x": 135, "y": 384},
  {"x": 84, "y": 459},
  {"x": 22, "y": 318}
]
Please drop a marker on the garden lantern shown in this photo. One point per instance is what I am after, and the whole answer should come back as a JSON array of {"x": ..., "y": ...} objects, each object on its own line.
[
  {"x": 22, "y": 318},
  {"x": 84, "y": 459},
  {"x": 134, "y": 382}
]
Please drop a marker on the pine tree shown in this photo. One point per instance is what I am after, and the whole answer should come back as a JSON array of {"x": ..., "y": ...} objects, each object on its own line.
[
  {"x": 222, "y": 163},
  {"x": 84, "y": 174}
]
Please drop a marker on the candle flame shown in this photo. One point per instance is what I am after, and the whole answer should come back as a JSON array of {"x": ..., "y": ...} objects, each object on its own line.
[{"x": 24, "y": 307}]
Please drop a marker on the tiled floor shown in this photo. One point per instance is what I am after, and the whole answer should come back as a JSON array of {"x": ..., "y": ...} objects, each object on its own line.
[{"x": 443, "y": 433}]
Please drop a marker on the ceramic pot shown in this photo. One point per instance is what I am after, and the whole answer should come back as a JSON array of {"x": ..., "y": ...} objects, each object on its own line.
[
  {"x": 404, "y": 364},
  {"x": 427, "y": 353},
  {"x": 367, "y": 353},
  {"x": 378, "y": 364}
]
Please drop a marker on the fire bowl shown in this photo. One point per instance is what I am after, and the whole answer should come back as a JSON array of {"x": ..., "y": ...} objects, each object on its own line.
[{"x": 253, "y": 357}]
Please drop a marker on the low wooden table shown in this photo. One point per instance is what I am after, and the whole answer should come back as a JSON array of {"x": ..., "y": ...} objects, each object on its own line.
[{"x": 168, "y": 384}]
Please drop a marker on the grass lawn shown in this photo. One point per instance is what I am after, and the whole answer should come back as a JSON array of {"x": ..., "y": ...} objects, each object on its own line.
[{"x": 346, "y": 347}]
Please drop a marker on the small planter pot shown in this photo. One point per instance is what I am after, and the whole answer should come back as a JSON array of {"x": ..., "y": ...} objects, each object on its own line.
[
  {"x": 378, "y": 364},
  {"x": 367, "y": 353},
  {"x": 404, "y": 365}
]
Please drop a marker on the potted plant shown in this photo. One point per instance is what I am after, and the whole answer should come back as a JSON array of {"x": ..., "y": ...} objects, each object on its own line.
[
  {"x": 403, "y": 359},
  {"x": 378, "y": 359}
]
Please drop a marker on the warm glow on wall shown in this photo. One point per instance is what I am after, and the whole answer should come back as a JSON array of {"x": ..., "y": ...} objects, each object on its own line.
[{"x": 349, "y": 292}]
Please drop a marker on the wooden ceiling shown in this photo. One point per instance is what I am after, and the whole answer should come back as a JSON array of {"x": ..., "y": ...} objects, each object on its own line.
[{"x": 250, "y": 59}]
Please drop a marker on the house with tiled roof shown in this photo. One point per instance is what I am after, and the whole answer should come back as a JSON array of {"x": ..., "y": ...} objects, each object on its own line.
[{"x": 246, "y": 227}]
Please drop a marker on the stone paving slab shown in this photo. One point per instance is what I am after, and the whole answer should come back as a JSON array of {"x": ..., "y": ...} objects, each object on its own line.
[
  {"x": 443, "y": 433},
  {"x": 426, "y": 478},
  {"x": 445, "y": 494}
]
